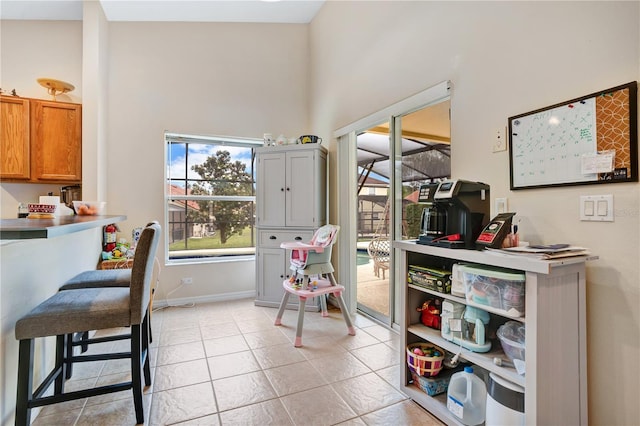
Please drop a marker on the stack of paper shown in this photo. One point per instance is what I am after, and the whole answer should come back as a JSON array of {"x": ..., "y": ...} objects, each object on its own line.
[{"x": 552, "y": 251}]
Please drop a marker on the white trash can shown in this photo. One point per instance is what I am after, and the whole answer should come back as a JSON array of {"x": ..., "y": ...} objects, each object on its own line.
[{"x": 505, "y": 403}]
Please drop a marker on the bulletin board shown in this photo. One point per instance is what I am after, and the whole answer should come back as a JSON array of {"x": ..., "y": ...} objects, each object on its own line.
[{"x": 588, "y": 140}]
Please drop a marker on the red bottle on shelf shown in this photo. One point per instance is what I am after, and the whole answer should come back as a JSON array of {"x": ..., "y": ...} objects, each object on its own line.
[{"x": 109, "y": 237}]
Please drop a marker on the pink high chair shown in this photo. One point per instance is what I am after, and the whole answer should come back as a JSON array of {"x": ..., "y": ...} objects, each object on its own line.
[{"x": 311, "y": 263}]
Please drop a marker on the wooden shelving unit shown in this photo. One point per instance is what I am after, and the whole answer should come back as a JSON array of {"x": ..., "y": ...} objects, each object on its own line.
[{"x": 555, "y": 318}]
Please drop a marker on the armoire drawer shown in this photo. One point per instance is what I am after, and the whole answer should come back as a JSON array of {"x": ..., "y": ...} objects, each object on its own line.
[{"x": 275, "y": 237}]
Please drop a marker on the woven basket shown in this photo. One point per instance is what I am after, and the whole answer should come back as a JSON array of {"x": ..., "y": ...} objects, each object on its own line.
[{"x": 427, "y": 366}]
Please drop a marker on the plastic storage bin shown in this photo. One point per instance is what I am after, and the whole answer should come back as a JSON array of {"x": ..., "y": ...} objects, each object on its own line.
[
  {"x": 433, "y": 386},
  {"x": 457, "y": 280},
  {"x": 512, "y": 339},
  {"x": 502, "y": 289}
]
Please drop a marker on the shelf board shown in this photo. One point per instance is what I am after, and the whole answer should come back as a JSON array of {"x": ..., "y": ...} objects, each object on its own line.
[
  {"x": 489, "y": 258},
  {"x": 484, "y": 360},
  {"x": 437, "y": 405},
  {"x": 464, "y": 301}
]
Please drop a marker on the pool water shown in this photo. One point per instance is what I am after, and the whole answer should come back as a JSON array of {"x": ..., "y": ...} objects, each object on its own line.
[{"x": 362, "y": 257}]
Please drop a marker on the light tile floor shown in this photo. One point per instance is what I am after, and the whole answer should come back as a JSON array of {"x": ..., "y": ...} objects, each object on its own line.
[{"x": 227, "y": 364}]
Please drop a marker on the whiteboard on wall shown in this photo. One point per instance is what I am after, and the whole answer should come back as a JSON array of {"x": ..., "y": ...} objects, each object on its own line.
[{"x": 592, "y": 139}]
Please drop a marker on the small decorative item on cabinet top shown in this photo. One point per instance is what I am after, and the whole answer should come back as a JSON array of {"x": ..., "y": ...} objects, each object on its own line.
[
  {"x": 310, "y": 139},
  {"x": 55, "y": 87}
]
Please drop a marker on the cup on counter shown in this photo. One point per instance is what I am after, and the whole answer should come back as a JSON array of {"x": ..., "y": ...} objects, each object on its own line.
[{"x": 23, "y": 210}]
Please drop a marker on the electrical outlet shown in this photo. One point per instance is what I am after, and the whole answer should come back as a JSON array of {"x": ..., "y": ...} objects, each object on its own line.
[
  {"x": 186, "y": 281},
  {"x": 499, "y": 141}
]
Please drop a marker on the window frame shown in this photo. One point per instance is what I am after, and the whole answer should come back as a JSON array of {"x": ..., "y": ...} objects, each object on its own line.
[{"x": 214, "y": 140}]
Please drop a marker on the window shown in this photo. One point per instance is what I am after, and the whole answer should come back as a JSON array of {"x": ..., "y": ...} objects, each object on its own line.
[{"x": 210, "y": 197}]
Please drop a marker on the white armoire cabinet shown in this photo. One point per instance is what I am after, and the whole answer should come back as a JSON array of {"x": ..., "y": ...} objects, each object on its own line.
[{"x": 291, "y": 204}]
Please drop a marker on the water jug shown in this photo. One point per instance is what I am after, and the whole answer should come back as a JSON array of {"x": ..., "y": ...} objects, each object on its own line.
[{"x": 467, "y": 397}]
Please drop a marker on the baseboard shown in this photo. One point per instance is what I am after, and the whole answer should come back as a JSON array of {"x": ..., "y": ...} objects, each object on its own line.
[{"x": 162, "y": 303}]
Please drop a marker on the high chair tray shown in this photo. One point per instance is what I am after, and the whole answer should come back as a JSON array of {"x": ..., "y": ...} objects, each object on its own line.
[
  {"x": 297, "y": 245},
  {"x": 322, "y": 287}
]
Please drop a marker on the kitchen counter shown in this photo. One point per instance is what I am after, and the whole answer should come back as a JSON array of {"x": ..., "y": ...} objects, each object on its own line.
[{"x": 23, "y": 229}]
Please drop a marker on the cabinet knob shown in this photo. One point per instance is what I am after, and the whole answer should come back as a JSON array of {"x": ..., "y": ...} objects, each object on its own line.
[
  {"x": 298, "y": 238},
  {"x": 273, "y": 237},
  {"x": 288, "y": 189},
  {"x": 281, "y": 276},
  {"x": 282, "y": 189}
]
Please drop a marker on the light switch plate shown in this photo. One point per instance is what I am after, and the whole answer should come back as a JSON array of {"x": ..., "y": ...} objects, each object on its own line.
[
  {"x": 499, "y": 140},
  {"x": 500, "y": 205},
  {"x": 596, "y": 208}
]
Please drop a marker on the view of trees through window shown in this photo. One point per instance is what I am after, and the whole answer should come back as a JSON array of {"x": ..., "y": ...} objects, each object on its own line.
[{"x": 210, "y": 197}]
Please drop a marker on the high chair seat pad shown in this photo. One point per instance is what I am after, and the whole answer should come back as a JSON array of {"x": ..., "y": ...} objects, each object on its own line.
[
  {"x": 99, "y": 278},
  {"x": 318, "y": 250},
  {"x": 77, "y": 310},
  {"x": 313, "y": 269},
  {"x": 324, "y": 235}
]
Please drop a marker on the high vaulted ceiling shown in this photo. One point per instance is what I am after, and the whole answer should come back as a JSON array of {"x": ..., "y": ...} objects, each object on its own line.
[
  {"x": 273, "y": 11},
  {"x": 426, "y": 137}
]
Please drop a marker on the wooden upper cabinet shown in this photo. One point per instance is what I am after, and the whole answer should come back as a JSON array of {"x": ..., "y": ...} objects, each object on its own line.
[
  {"x": 15, "y": 139},
  {"x": 41, "y": 141},
  {"x": 56, "y": 141}
]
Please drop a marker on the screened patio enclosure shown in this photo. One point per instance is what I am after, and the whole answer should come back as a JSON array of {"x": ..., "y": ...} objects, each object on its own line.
[{"x": 423, "y": 161}]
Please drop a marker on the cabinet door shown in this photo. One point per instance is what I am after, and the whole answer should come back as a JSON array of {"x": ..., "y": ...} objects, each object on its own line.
[
  {"x": 56, "y": 131},
  {"x": 271, "y": 273},
  {"x": 14, "y": 143},
  {"x": 302, "y": 189},
  {"x": 270, "y": 195}
]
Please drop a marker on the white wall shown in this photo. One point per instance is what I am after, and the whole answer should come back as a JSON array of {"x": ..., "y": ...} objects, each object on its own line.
[
  {"x": 37, "y": 49},
  {"x": 222, "y": 79},
  {"x": 504, "y": 58},
  {"x": 31, "y": 50},
  {"x": 95, "y": 66}
]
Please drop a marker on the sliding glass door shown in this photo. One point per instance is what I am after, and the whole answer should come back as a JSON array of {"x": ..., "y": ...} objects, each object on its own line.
[
  {"x": 393, "y": 160},
  {"x": 374, "y": 222},
  {"x": 382, "y": 160}
]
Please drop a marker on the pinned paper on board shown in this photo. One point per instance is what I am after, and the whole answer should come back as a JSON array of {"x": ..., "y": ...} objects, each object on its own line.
[{"x": 598, "y": 162}]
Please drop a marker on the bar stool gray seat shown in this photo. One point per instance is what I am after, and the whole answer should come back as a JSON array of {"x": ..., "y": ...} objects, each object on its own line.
[
  {"x": 99, "y": 278},
  {"x": 75, "y": 311}
]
